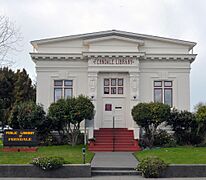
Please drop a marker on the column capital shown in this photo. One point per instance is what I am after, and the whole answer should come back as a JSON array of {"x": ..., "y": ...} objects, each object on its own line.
[
  {"x": 134, "y": 74},
  {"x": 92, "y": 74}
]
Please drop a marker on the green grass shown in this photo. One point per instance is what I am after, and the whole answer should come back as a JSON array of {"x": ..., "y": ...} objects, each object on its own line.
[
  {"x": 178, "y": 155},
  {"x": 69, "y": 153}
]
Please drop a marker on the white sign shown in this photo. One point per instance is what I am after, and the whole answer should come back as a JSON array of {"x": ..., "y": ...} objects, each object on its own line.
[{"x": 111, "y": 61}]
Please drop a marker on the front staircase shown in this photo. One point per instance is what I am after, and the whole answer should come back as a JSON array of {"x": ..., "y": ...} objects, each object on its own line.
[{"x": 114, "y": 139}]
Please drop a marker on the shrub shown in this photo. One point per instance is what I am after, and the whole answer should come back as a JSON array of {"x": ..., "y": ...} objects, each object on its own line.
[
  {"x": 163, "y": 138},
  {"x": 26, "y": 115},
  {"x": 29, "y": 115},
  {"x": 66, "y": 116},
  {"x": 185, "y": 127},
  {"x": 142, "y": 143},
  {"x": 48, "y": 163},
  {"x": 49, "y": 140},
  {"x": 151, "y": 167},
  {"x": 201, "y": 119},
  {"x": 149, "y": 116}
]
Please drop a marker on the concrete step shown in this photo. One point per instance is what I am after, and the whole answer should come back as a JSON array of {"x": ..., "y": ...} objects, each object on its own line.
[
  {"x": 115, "y": 136},
  {"x": 115, "y": 143},
  {"x": 112, "y": 168},
  {"x": 114, "y": 171},
  {"x": 97, "y": 149},
  {"x": 116, "y": 132},
  {"x": 122, "y": 138},
  {"x": 115, "y": 140},
  {"x": 111, "y": 129}
]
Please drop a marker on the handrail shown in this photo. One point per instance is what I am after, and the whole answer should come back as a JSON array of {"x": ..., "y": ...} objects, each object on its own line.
[{"x": 113, "y": 131}]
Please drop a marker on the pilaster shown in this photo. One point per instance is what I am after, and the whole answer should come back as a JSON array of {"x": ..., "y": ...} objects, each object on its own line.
[{"x": 92, "y": 93}]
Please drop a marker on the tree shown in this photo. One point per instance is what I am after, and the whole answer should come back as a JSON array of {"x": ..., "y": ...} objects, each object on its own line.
[
  {"x": 185, "y": 126},
  {"x": 9, "y": 39},
  {"x": 26, "y": 115},
  {"x": 7, "y": 82},
  {"x": 57, "y": 114},
  {"x": 201, "y": 120},
  {"x": 66, "y": 116},
  {"x": 1, "y": 113},
  {"x": 149, "y": 116},
  {"x": 29, "y": 115},
  {"x": 24, "y": 90},
  {"x": 15, "y": 87},
  {"x": 198, "y": 105}
]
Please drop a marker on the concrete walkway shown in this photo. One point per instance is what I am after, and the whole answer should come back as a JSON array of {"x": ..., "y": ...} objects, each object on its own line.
[
  {"x": 105, "y": 178},
  {"x": 114, "y": 159}
]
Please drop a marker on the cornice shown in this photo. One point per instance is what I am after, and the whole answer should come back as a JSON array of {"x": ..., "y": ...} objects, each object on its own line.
[
  {"x": 138, "y": 41},
  {"x": 167, "y": 57},
  {"x": 58, "y": 56},
  {"x": 113, "y": 54},
  {"x": 85, "y": 55}
]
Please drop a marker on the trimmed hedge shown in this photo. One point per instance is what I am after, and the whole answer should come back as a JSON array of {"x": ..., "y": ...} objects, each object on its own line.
[
  {"x": 151, "y": 167},
  {"x": 48, "y": 163}
]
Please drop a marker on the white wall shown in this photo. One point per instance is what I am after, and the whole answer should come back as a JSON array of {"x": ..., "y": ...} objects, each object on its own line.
[
  {"x": 113, "y": 45},
  {"x": 48, "y": 71},
  {"x": 178, "y": 72}
]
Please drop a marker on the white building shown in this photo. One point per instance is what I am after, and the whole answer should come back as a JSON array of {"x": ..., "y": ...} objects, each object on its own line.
[{"x": 116, "y": 69}]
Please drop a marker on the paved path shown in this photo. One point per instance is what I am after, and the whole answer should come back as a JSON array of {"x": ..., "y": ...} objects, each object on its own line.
[
  {"x": 104, "y": 178},
  {"x": 114, "y": 159}
]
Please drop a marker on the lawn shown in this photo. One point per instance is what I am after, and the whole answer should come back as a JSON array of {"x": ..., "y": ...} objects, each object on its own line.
[
  {"x": 69, "y": 153},
  {"x": 178, "y": 155}
]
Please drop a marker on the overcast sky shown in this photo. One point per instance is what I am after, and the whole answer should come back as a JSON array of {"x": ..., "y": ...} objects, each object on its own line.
[{"x": 182, "y": 19}]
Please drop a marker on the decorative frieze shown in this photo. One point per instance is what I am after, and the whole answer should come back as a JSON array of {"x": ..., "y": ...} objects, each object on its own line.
[{"x": 170, "y": 57}]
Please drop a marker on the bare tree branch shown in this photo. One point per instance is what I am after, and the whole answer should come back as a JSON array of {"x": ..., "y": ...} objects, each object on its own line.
[{"x": 9, "y": 40}]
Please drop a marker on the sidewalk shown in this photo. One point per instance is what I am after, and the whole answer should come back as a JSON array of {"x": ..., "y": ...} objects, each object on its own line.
[
  {"x": 104, "y": 178},
  {"x": 114, "y": 159}
]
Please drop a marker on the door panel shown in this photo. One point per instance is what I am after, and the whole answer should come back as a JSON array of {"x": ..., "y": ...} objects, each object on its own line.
[{"x": 113, "y": 107}]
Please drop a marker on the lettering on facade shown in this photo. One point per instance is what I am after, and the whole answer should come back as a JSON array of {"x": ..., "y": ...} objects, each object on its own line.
[
  {"x": 20, "y": 138},
  {"x": 113, "y": 61}
]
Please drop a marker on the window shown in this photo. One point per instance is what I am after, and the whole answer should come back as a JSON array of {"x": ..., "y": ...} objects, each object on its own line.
[
  {"x": 163, "y": 92},
  {"x": 158, "y": 95},
  {"x": 113, "y": 86},
  {"x": 108, "y": 107},
  {"x": 63, "y": 89}
]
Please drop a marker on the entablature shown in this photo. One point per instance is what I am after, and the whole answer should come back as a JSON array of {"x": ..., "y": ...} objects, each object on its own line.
[
  {"x": 88, "y": 55},
  {"x": 113, "y": 54},
  {"x": 167, "y": 57}
]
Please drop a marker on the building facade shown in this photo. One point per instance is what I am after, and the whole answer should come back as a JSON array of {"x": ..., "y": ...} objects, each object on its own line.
[{"x": 116, "y": 70}]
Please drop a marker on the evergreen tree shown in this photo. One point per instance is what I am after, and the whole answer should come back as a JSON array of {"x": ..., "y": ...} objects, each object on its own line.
[
  {"x": 6, "y": 92},
  {"x": 14, "y": 88},
  {"x": 24, "y": 90}
]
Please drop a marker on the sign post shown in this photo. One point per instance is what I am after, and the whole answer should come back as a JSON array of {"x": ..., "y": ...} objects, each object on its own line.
[
  {"x": 83, "y": 154},
  {"x": 85, "y": 133}
]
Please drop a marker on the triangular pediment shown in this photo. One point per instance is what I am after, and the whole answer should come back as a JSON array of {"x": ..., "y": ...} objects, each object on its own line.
[
  {"x": 112, "y": 34},
  {"x": 113, "y": 43},
  {"x": 114, "y": 39}
]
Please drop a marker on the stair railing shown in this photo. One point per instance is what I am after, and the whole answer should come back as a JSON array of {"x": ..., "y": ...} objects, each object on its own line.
[{"x": 113, "y": 131}]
